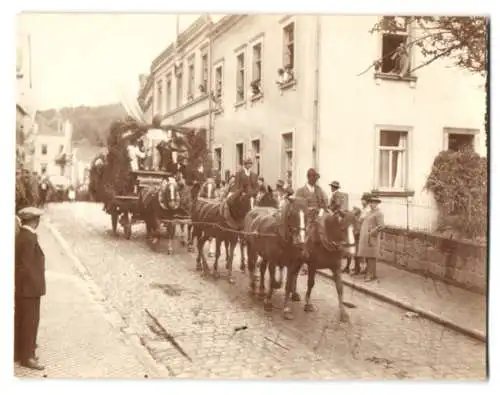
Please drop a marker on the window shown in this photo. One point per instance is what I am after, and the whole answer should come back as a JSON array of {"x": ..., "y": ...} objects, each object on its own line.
[
  {"x": 392, "y": 159},
  {"x": 218, "y": 82},
  {"x": 159, "y": 97},
  {"x": 44, "y": 149},
  {"x": 395, "y": 56},
  {"x": 240, "y": 77},
  {"x": 169, "y": 91},
  {"x": 458, "y": 139},
  {"x": 204, "y": 73},
  {"x": 179, "y": 86},
  {"x": 218, "y": 161},
  {"x": 287, "y": 158},
  {"x": 256, "y": 155},
  {"x": 239, "y": 154},
  {"x": 257, "y": 68},
  {"x": 289, "y": 46},
  {"x": 43, "y": 168},
  {"x": 190, "y": 88}
]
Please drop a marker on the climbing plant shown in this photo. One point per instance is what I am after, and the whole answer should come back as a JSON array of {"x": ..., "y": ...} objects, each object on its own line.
[{"x": 459, "y": 184}]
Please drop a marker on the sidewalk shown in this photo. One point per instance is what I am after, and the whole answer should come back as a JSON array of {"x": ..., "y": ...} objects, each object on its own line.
[
  {"x": 76, "y": 338},
  {"x": 451, "y": 306}
]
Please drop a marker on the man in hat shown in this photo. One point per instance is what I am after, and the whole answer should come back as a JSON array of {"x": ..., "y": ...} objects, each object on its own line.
[
  {"x": 29, "y": 288},
  {"x": 313, "y": 194},
  {"x": 246, "y": 178},
  {"x": 359, "y": 216},
  {"x": 369, "y": 238},
  {"x": 338, "y": 200}
]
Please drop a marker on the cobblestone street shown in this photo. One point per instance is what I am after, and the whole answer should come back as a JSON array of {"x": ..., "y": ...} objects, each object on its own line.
[{"x": 164, "y": 301}]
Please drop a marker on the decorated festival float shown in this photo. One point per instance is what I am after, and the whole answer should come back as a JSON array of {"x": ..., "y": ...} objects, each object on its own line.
[{"x": 168, "y": 160}]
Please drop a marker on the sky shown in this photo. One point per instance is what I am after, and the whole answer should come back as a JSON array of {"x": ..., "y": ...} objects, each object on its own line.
[{"x": 93, "y": 59}]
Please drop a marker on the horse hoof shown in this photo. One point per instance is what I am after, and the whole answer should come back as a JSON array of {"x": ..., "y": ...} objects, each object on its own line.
[
  {"x": 308, "y": 307},
  {"x": 344, "y": 317},
  {"x": 230, "y": 280},
  {"x": 210, "y": 254},
  {"x": 243, "y": 268},
  {"x": 268, "y": 306},
  {"x": 295, "y": 297},
  {"x": 277, "y": 284},
  {"x": 287, "y": 315},
  {"x": 169, "y": 251}
]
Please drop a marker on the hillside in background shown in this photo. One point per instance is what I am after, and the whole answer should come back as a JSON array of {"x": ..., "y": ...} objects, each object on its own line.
[{"x": 90, "y": 124}]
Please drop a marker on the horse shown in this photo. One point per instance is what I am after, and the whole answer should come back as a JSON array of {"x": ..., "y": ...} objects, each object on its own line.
[
  {"x": 329, "y": 238},
  {"x": 278, "y": 236},
  {"x": 157, "y": 203},
  {"x": 209, "y": 191},
  {"x": 222, "y": 220}
]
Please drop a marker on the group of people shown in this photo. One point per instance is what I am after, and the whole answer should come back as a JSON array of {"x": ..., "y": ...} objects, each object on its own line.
[{"x": 368, "y": 223}]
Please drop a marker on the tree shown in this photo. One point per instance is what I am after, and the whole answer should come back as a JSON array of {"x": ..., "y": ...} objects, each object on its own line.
[{"x": 462, "y": 39}]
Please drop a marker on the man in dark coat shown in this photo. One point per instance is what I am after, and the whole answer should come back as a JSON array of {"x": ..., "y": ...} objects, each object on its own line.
[
  {"x": 29, "y": 288},
  {"x": 246, "y": 178}
]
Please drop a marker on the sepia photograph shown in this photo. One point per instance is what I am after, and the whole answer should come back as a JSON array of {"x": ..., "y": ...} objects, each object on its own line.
[{"x": 251, "y": 196}]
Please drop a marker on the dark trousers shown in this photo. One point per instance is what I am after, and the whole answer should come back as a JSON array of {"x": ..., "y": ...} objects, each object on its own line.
[
  {"x": 26, "y": 320},
  {"x": 357, "y": 259}
]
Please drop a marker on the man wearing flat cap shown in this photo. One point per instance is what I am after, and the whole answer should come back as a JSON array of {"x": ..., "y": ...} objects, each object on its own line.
[
  {"x": 369, "y": 238},
  {"x": 246, "y": 178},
  {"x": 338, "y": 200},
  {"x": 29, "y": 288}
]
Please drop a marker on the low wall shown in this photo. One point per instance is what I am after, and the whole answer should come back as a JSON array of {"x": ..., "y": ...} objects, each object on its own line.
[{"x": 456, "y": 262}]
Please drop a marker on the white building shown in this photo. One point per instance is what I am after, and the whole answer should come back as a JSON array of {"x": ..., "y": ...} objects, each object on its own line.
[
  {"x": 52, "y": 140},
  {"x": 372, "y": 131}
]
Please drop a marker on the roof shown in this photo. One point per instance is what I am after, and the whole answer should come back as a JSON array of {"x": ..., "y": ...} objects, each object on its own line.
[{"x": 46, "y": 128}]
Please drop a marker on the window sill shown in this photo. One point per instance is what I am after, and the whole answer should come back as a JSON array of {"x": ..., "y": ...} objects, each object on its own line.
[
  {"x": 401, "y": 194},
  {"x": 256, "y": 97},
  {"x": 395, "y": 77},
  {"x": 239, "y": 103},
  {"x": 287, "y": 85}
]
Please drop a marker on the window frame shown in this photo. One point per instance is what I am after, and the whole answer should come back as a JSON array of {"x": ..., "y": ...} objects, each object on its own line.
[
  {"x": 257, "y": 156},
  {"x": 191, "y": 76},
  {"x": 284, "y": 151},
  {"x": 236, "y": 145},
  {"x": 168, "y": 91},
  {"x": 284, "y": 46},
  {"x": 159, "y": 97},
  {"x": 204, "y": 73},
  {"x": 258, "y": 41},
  {"x": 219, "y": 64},
  {"x": 241, "y": 52},
  {"x": 408, "y": 158},
  {"x": 179, "y": 76},
  {"x": 457, "y": 130}
]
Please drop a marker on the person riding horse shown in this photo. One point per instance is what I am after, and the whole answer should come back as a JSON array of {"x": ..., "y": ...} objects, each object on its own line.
[{"x": 313, "y": 194}]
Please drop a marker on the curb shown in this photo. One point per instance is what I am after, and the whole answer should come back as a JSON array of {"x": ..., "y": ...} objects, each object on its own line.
[
  {"x": 110, "y": 313},
  {"x": 407, "y": 306}
]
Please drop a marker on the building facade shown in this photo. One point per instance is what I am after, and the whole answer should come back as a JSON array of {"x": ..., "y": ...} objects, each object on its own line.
[
  {"x": 51, "y": 142},
  {"x": 297, "y": 91}
]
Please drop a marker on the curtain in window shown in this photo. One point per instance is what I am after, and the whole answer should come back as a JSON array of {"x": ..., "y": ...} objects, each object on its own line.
[{"x": 392, "y": 159}]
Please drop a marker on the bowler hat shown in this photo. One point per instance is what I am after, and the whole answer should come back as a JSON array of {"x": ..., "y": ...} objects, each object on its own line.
[
  {"x": 335, "y": 184},
  {"x": 374, "y": 199},
  {"x": 28, "y": 213},
  {"x": 280, "y": 183},
  {"x": 366, "y": 196}
]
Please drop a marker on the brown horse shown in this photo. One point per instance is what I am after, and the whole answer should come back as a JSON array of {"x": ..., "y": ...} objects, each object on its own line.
[
  {"x": 278, "y": 236},
  {"x": 161, "y": 203},
  {"x": 329, "y": 239},
  {"x": 222, "y": 220}
]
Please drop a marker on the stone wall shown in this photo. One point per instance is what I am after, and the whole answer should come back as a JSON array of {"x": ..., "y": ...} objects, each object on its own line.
[{"x": 460, "y": 263}]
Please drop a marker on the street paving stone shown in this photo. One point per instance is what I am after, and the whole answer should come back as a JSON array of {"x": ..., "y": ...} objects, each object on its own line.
[{"x": 201, "y": 314}]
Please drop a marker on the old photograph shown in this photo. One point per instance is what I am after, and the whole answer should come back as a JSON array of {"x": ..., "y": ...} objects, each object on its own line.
[{"x": 251, "y": 196}]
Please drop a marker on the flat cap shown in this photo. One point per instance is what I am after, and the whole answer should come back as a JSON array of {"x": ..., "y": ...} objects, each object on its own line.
[{"x": 28, "y": 213}]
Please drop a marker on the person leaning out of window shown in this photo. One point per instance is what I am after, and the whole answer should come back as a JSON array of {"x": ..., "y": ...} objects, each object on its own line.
[{"x": 369, "y": 238}]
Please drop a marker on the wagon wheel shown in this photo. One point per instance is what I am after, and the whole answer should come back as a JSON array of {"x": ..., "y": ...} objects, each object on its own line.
[{"x": 114, "y": 221}]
